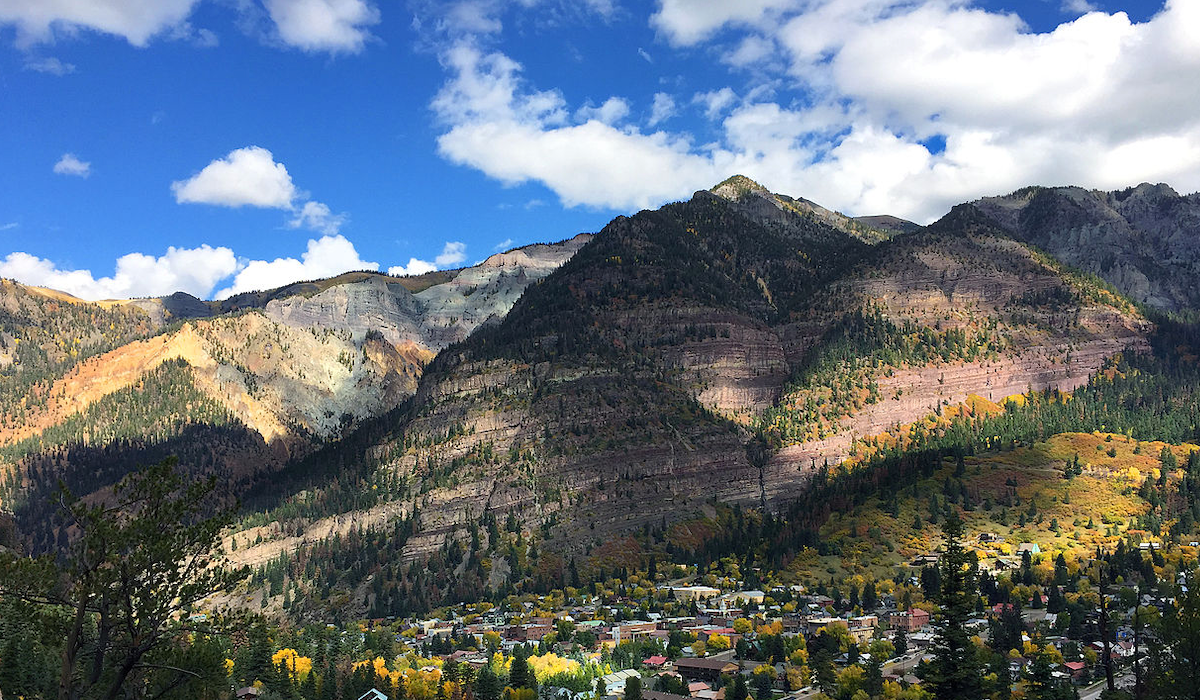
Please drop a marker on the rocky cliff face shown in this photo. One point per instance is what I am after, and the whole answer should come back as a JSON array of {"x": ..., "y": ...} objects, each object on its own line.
[
  {"x": 433, "y": 317},
  {"x": 630, "y": 386},
  {"x": 288, "y": 369},
  {"x": 1143, "y": 240}
]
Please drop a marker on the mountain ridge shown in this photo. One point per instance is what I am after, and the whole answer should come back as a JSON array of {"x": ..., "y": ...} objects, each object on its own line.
[{"x": 721, "y": 349}]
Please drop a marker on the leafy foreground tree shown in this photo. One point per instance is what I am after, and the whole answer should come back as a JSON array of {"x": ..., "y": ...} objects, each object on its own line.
[
  {"x": 121, "y": 591},
  {"x": 955, "y": 672},
  {"x": 1175, "y": 658}
]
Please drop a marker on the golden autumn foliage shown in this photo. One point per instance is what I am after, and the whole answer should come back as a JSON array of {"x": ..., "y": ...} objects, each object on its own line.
[
  {"x": 300, "y": 666},
  {"x": 550, "y": 664}
]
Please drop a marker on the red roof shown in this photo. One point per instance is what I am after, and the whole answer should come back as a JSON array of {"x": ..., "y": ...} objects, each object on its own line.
[{"x": 656, "y": 660}]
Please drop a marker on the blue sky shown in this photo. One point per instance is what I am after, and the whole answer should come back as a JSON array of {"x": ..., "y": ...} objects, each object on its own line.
[{"x": 217, "y": 146}]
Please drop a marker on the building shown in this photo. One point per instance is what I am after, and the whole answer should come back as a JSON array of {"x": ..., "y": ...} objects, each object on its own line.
[
  {"x": 689, "y": 594},
  {"x": 628, "y": 631},
  {"x": 704, "y": 669},
  {"x": 909, "y": 620}
]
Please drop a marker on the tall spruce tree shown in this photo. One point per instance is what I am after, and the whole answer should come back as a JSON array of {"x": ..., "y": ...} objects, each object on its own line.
[
  {"x": 955, "y": 672},
  {"x": 1175, "y": 658}
]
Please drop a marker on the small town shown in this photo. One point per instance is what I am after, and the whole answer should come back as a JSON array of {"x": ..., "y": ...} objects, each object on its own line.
[{"x": 686, "y": 639}]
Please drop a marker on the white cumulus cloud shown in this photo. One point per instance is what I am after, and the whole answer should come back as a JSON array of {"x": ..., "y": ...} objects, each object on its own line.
[
  {"x": 246, "y": 177},
  {"x": 514, "y": 134},
  {"x": 192, "y": 270},
  {"x": 612, "y": 111},
  {"x": 317, "y": 216},
  {"x": 453, "y": 253},
  {"x": 324, "y": 257},
  {"x": 662, "y": 109},
  {"x": 324, "y": 25},
  {"x": 69, "y": 164},
  {"x": 49, "y": 65},
  {"x": 250, "y": 176},
  {"x": 137, "y": 21},
  {"x": 415, "y": 266},
  {"x": 687, "y": 22},
  {"x": 843, "y": 97}
]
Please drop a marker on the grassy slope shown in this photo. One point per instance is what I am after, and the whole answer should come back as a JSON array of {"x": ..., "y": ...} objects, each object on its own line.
[{"x": 879, "y": 535}]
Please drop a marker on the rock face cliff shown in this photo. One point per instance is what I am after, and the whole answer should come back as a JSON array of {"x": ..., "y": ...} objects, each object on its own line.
[
  {"x": 433, "y": 317},
  {"x": 715, "y": 349},
  {"x": 1144, "y": 240},
  {"x": 282, "y": 371},
  {"x": 721, "y": 348}
]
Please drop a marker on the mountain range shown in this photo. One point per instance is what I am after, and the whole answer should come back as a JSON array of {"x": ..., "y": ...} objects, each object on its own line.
[{"x": 728, "y": 349}]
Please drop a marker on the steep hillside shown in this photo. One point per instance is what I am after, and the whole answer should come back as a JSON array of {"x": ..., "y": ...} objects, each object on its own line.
[
  {"x": 719, "y": 349},
  {"x": 430, "y": 317},
  {"x": 1145, "y": 240},
  {"x": 610, "y": 387},
  {"x": 94, "y": 389},
  {"x": 1028, "y": 495},
  {"x": 927, "y": 320}
]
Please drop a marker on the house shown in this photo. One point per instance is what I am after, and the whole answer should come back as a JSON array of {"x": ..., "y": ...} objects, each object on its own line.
[
  {"x": 373, "y": 694},
  {"x": 1031, "y": 547},
  {"x": 655, "y": 695},
  {"x": 615, "y": 682},
  {"x": 909, "y": 620},
  {"x": 247, "y": 693},
  {"x": 1075, "y": 668},
  {"x": 988, "y": 537},
  {"x": 925, "y": 560},
  {"x": 696, "y": 687},
  {"x": 688, "y": 594},
  {"x": 704, "y": 669},
  {"x": 656, "y": 661},
  {"x": 627, "y": 631}
]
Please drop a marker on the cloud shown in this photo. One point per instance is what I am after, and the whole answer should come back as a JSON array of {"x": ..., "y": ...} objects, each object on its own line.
[
  {"x": 612, "y": 111},
  {"x": 715, "y": 102},
  {"x": 251, "y": 177},
  {"x": 137, "y": 21},
  {"x": 414, "y": 267},
  {"x": 662, "y": 109},
  {"x": 9, "y": 226},
  {"x": 317, "y": 216},
  {"x": 246, "y": 177},
  {"x": 841, "y": 98},
  {"x": 645, "y": 55},
  {"x": 1078, "y": 7},
  {"x": 69, "y": 164},
  {"x": 452, "y": 253},
  {"x": 686, "y": 22},
  {"x": 325, "y": 257},
  {"x": 193, "y": 270},
  {"x": 472, "y": 17},
  {"x": 751, "y": 50},
  {"x": 197, "y": 271},
  {"x": 503, "y": 245},
  {"x": 323, "y": 25},
  {"x": 49, "y": 65},
  {"x": 497, "y": 125}
]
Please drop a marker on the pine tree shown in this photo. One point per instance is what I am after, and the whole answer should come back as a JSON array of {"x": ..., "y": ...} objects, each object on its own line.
[
  {"x": 955, "y": 671},
  {"x": 633, "y": 688},
  {"x": 740, "y": 691},
  {"x": 487, "y": 684}
]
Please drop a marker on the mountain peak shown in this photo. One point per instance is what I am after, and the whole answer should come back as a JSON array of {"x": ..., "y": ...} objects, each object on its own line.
[{"x": 736, "y": 187}]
